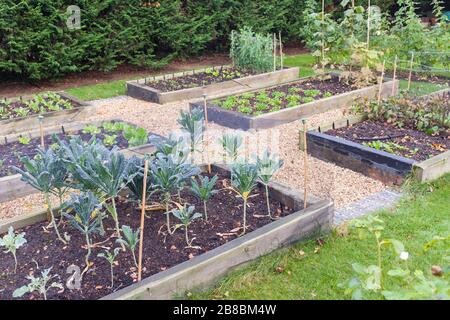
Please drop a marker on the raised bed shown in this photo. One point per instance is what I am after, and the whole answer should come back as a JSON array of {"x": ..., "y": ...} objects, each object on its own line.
[
  {"x": 378, "y": 164},
  {"x": 237, "y": 120},
  {"x": 79, "y": 111},
  {"x": 205, "y": 265},
  {"x": 141, "y": 89},
  {"x": 11, "y": 186}
]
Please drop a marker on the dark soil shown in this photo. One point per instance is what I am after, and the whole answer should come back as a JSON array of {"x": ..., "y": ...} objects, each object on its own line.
[
  {"x": 198, "y": 79},
  {"x": 161, "y": 251},
  {"x": 415, "y": 144},
  {"x": 11, "y": 153},
  {"x": 284, "y": 96},
  {"x": 419, "y": 76}
]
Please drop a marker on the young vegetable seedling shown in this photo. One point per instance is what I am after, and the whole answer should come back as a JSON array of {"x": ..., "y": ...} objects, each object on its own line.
[
  {"x": 267, "y": 165},
  {"x": 131, "y": 240},
  {"x": 243, "y": 180},
  {"x": 186, "y": 215},
  {"x": 39, "y": 284},
  {"x": 231, "y": 143},
  {"x": 204, "y": 190},
  {"x": 111, "y": 258},
  {"x": 12, "y": 242}
]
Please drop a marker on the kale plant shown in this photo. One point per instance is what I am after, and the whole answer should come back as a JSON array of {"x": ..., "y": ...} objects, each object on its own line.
[
  {"x": 111, "y": 258},
  {"x": 186, "y": 215},
  {"x": 12, "y": 242},
  {"x": 231, "y": 143},
  {"x": 204, "y": 190},
  {"x": 193, "y": 123},
  {"x": 130, "y": 240},
  {"x": 39, "y": 284}
]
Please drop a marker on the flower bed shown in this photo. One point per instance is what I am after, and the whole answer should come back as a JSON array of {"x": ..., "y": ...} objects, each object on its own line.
[
  {"x": 210, "y": 81},
  {"x": 281, "y": 104},
  {"x": 21, "y": 114},
  {"x": 14, "y": 147},
  {"x": 390, "y": 149}
]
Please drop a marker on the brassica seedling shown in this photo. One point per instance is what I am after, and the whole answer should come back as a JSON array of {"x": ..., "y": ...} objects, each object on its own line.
[
  {"x": 204, "y": 190},
  {"x": 243, "y": 179},
  {"x": 39, "y": 284},
  {"x": 46, "y": 172},
  {"x": 231, "y": 143},
  {"x": 268, "y": 165},
  {"x": 86, "y": 208},
  {"x": 12, "y": 242},
  {"x": 186, "y": 215},
  {"x": 130, "y": 240},
  {"x": 111, "y": 258},
  {"x": 193, "y": 123}
]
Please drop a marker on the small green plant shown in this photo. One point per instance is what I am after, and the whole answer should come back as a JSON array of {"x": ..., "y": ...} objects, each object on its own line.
[
  {"x": 243, "y": 180},
  {"x": 86, "y": 219},
  {"x": 311, "y": 93},
  {"x": 135, "y": 136},
  {"x": 204, "y": 190},
  {"x": 130, "y": 240},
  {"x": 110, "y": 140},
  {"x": 40, "y": 285},
  {"x": 231, "y": 143},
  {"x": 388, "y": 146},
  {"x": 186, "y": 215},
  {"x": 111, "y": 258},
  {"x": 24, "y": 140},
  {"x": 21, "y": 112},
  {"x": 267, "y": 165},
  {"x": 110, "y": 127},
  {"x": 91, "y": 130},
  {"x": 193, "y": 124},
  {"x": 12, "y": 242},
  {"x": 327, "y": 94}
]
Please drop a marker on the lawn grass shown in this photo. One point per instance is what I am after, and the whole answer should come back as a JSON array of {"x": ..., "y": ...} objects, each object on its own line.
[
  {"x": 99, "y": 91},
  {"x": 421, "y": 88},
  {"x": 422, "y": 214},
  {"x": 304, "y": 61}
]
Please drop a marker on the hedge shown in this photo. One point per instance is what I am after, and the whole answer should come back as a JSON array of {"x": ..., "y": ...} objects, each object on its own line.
[{"x": 35, "y": 42}]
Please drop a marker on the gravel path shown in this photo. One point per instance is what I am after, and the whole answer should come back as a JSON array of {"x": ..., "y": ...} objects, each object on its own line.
[{"x": 325, "y": 179}]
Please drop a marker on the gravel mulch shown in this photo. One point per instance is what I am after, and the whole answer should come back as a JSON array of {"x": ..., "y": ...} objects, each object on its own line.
[{"x": 326, "y": 180}]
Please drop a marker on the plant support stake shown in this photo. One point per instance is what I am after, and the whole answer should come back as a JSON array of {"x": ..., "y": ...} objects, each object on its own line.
[
  {"x": 281, "y": 52},
  {"x": 394, "y": 75},
  {"x": 381, "y": 81},
  {"x": 41, "y": 130},
  {"x": 205, "y": 111},
  {"x": 410, "y": 70},
  {"x": 274, "y": 52},
  {"x": 141, "y": 240},
  {"x": 305, "y": 165}
]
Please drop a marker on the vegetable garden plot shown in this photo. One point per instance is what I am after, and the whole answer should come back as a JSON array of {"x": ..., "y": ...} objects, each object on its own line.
[
  {"x": 210, "y": 81},
  {"x": 12, "y": 148},
  {"x": 22, "y": 114},
  {"x": 210, "y": 242},
  {"x": 400, "y": 136},
  {"x": 285, "y": 103}
]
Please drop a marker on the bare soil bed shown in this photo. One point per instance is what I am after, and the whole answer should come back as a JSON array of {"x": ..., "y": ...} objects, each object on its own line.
[
  {"x": 404, "y": 142},
  {"x": 199, "y": 79},
  {"x": 284, "y": 96},
  {"x": 161, "y": 251}
]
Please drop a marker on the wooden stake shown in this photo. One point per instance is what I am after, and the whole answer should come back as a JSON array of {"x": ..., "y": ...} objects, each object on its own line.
[
  {"x": 41, "y": 129},
  {"x": 380, "y": 88},
  {"x": 323, "y": 35},
  {"x": 143, "y": 204},
  {"x": 205, "y": 110},
  {"x": 274, "y": 52},
  {"x": 281, "y": 51},
  {"x": 305, "y": 165},
  {"x": 410, "y": 70},
  {"x": 368, "y": 25},
  {"x": 394, "y": 75}
]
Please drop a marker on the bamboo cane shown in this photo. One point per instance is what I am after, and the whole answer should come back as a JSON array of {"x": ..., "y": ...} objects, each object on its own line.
[
  {"x": 410, "y": 70},
  {"x": 41, "y": 130},
  {"x": 381, "y": 81},
  {"x": 274, "y": 52},
  {"x": 305, "y": 166},
  {"x": 281, "y": 51},
  {"x": 368, "y": 25},
  {"x": 394, "y": 75},
  {"x": 141, "y": 240},
  {"x": 323, "y": 35},
  {"x": 205, "y": 110}
]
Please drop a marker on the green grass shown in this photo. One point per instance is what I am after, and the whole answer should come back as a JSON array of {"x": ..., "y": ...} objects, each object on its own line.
[
  {"x": 304, "y": 61},
  {"x": 99, "y": 91},
  {"x": 421, "y": 88},
  {"x": 422, "y": 214}
]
